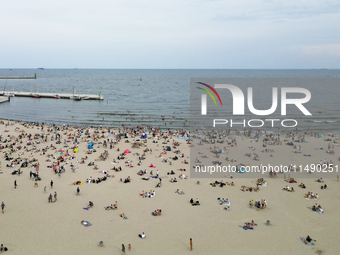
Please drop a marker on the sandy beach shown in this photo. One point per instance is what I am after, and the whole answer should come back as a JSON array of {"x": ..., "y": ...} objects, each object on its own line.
[{"x": 32, "y": 225}]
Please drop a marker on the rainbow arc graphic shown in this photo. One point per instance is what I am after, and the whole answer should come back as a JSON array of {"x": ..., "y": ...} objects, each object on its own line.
[{"x": 204, "y": 97}]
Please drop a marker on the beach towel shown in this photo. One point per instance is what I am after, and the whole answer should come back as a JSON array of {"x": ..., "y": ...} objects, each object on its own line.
[
  {"x": 86, "y": 208},
  {"x": 304, "y": 239}
]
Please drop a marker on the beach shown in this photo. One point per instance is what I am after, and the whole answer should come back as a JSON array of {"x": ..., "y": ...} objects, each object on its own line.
[{"x": 32, "y": 225}]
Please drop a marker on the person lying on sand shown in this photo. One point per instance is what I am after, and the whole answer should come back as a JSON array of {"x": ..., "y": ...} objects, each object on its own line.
[
  {"x": 182, "y": 176},
  {"x": 110, "y": 207},
  {"x": 76, "y": 183},
  {"x": 317, "y": 208},
  {"x": 179, "y": 192},
  {"x": 157, "y": 212},
  {"x": 230, "y": 184},
  {"x": 288, "y": 189},
  {"x": 85, "y": 223},
  {"x": 319, "y": 180},
  {"x": 249, "y": 224},
  {"x": 311, "y": 195},
  {"x": 123, "y": 216},
  {"x": 224, "y": 202},
  {"x": 173, "y": 180},
  {"x": 142, "y": 235},
  {"x": 141, "y": 172},
  {"x": 302, "y": 185}
]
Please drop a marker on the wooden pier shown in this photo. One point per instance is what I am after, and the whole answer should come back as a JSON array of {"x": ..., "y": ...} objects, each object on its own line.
[
  {"x": 51, "y": 95},
  {"x": 19, "y": 77}
]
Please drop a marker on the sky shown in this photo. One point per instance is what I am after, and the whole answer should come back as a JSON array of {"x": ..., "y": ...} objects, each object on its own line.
[{"x": 207, "y": 34}]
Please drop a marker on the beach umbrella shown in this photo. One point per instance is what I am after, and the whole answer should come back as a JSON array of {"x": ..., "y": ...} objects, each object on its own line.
[
  {"x": 76, "y": 150},
  {"x": 126, "y": 151}
]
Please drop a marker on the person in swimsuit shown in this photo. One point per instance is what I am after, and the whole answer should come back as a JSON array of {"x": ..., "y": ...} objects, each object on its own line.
[{"x": 3, "y": 207}]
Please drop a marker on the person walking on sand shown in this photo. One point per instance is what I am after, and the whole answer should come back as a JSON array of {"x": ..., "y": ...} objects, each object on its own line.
[
  {"x": 190, "y": 244},
  {"x": 15, "y": 184},
  {"x": 45, "y": 189},
  {"x": 78, "y": 190},
  {"x": 55, "y": 196},
  {"x": 51, "y": 184},
  {"x": 123, "y": 249},
  {"x": 3, "y": 207}
]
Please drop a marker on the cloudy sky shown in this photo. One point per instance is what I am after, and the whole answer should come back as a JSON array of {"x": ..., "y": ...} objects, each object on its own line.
[{"x": 170, "y": 34}]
